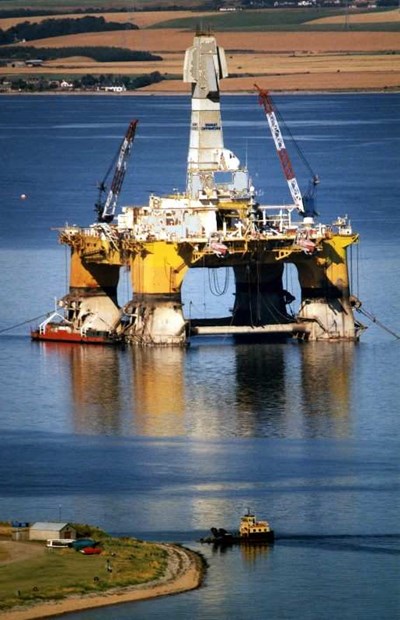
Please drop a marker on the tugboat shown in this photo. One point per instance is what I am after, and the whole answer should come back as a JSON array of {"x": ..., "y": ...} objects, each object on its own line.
[{"x": 250, "y": 531}]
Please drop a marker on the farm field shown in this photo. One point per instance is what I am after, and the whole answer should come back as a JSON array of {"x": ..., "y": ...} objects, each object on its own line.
[
  {"x": 150, "y": 19},
  {"x": 286, "y": 20},
  {"x": 283, "y": 60},
  {"x": 143, "y": 19},
  {"x": 392, "y": 16}
]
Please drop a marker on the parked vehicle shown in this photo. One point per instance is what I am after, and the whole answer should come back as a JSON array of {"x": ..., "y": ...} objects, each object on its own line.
[
  {"x": 90, "y": 550},
  {"x": 59, "y": 543},
  {"x": 81, "y": 543}
]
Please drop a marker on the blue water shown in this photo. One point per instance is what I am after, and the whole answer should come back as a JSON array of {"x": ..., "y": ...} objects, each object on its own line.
[{"x": 163, "y": 444}]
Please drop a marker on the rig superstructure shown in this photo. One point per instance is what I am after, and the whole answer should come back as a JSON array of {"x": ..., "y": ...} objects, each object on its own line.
[{"x": 216, "y": 222}]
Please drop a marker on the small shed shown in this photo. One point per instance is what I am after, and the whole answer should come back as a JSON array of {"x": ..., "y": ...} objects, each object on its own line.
[
  {"x": 19, "y": 530},
  {"x": 43, "y": 530}
]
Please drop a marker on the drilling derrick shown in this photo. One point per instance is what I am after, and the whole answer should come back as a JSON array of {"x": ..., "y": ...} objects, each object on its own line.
[{"x": 215, "y": 222}]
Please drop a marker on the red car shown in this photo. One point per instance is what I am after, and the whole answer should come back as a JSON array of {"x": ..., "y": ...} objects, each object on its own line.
[{"x": 91, "y": 550}]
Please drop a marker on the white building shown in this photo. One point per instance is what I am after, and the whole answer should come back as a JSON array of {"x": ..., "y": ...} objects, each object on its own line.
[
  {"x": 42, "y": 530},
  {"x": 113, "y": 89}
]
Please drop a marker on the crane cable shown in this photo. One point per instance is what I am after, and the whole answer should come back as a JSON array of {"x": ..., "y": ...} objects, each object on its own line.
[
  {"x": 296, "y": 145},
  {"x": 112, "y": 165},
  {"x": 214, "y": 285}
]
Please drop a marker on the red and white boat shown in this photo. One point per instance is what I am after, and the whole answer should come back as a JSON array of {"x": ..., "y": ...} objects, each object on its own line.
[{"x": 64, "y": 331}]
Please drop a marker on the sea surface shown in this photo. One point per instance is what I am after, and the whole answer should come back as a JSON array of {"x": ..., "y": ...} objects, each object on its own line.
[{"x": 162, "y": 444}]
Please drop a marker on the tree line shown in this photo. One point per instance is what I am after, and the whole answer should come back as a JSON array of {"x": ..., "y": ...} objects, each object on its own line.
[
  {"x": 86, "y": 82},
  {"x": 27, "y": 31},
  {"x": 39, "y": 12},
  {"x": 4, "y": 13},
  {"x": 100, "y": 54}
]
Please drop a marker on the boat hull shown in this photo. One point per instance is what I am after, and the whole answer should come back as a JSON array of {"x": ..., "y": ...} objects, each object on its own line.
[
  {"x": 235, "y": 539},
  {"x": 56, "y": 333}
]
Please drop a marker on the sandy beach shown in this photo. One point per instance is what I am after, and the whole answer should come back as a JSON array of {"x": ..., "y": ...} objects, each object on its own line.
[{"x": 184, "y": 572}]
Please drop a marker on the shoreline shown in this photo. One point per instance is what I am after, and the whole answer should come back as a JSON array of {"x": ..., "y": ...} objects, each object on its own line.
[
  {"x": 185, "y": 572},
  {"x": 176, "y": 93}
]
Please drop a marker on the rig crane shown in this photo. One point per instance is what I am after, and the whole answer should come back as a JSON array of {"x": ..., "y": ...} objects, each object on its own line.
[
  {"x": 107, "y": 201},
  {"x": 304, "y": 204}
]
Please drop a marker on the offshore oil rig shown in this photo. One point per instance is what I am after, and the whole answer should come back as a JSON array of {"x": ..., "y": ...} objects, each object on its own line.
[{"x": 217, "y": 222}]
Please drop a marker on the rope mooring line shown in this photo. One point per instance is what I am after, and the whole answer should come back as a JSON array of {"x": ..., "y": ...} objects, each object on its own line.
[
  {"x": 373, "y": 318},
  {"x": 35, "y": 318}
]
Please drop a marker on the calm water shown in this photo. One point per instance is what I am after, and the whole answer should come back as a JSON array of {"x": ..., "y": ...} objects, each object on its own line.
[{"x": 163, "y": 444}]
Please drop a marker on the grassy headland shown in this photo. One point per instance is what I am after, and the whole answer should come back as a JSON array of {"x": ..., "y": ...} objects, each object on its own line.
[{"x": 36, "y": 574}]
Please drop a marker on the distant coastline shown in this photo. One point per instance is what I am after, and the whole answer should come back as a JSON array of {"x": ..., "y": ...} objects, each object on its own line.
[{"x": 180, "y": 93}]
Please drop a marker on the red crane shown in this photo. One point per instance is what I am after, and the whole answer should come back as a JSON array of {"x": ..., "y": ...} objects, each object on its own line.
[{"x": 299, "y": 200}]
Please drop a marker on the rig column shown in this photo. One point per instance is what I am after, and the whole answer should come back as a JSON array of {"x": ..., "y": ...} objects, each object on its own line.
[
  {"x": 154, "y": 315},
  {"x": 92, "y": 299},
  {"x": 325, "y": 295}
]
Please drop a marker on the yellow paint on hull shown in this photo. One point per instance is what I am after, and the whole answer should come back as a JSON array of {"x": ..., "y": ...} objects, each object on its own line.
[
  {"x": 90, "y": 275},
  {"x": 160, "y": 268},
  {"x": 328, "y": 268}
]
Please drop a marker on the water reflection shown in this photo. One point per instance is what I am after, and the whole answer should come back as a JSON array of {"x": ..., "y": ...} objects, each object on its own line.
[
  {"x": 326, "y": 373},
  {"x": 250, "y": 554},
  {"x": 96, "y": 386},
  {"x": 260, "y": 389},
  {"x": 159, "y": 391},
  {"x": 294, "y": 390},
  {"x": 217, "y": 391}
]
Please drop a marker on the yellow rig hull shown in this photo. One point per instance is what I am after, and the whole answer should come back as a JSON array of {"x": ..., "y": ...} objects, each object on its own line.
[{"x": 158, "y": 268}]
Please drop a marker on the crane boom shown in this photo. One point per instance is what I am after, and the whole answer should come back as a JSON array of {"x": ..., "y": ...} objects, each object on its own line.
[
  {"x": 106, "y": 208},
  {"x": 266, "y": 101}
]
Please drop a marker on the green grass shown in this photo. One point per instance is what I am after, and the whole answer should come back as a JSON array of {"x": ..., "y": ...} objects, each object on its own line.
[
  {"x": 61, "y": 572},
  {"x": 272, "y": 20}
]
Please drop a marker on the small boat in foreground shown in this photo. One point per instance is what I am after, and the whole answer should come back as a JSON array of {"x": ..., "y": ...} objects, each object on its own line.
[
  {"x": 250, "y": 531},
  {"x": 62, "y": 330}
]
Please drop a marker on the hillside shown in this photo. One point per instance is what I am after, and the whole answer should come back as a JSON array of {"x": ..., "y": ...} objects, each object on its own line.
[{"x": 286, "y": 50}]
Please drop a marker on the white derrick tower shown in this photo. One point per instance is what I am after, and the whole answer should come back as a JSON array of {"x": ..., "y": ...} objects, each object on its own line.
[{"x": 204, "y": 67}]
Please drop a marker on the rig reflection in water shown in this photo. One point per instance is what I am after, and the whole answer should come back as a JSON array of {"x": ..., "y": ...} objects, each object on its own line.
[{"x": 210, "y": 390}]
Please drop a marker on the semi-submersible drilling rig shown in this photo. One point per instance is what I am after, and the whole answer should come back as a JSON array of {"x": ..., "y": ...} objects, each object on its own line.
[{"x": 217, "y": 222}]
